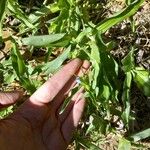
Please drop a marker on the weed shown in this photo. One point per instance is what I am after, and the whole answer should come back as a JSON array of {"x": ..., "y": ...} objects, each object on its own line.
[{"x": 67, "y": 25}]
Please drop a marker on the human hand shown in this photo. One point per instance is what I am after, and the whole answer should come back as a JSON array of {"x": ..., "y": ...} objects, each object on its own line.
[{"x": 37, "y": 124}]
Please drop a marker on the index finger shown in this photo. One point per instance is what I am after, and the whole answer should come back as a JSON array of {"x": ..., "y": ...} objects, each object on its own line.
[{"x": 51, "y": 88}]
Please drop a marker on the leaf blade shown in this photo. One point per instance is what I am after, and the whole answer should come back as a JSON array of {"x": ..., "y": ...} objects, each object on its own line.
[{"x": 118, "y": 17}]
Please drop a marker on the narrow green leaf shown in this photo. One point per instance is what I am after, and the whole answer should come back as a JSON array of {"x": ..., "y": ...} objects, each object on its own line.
[
  {"x": 27, "y": 84},
  {"x": 2, "y": 10},
  {"x": 126, "y": 98},
  {"x": 124, "y": 144},
  {"x": 14, "y": 7},
  {"x": 142, "y": 79},
  {"x": 68, "y": 101},
  {"x": 20, "y": 68},
  {"x": 110, "y": 66},
  {"x": 141, "y": 135},
  {"x": 83, "y": 34},
  {"x": 98, "y": 124},
  {"x": 9, "y": 77},
  {"x": 95, "y": 54},
  {"x": 43, "y": 11},
  {"x": 47, "y": 40},
  {"x": 87, "y": 144},
  {"x": 95, "y": 59},
  {"x": 128, "y": 2},
  {"x": 52, "y": 66},
  {"x": 49, "y": 52},
  {"x": 4, "y": 112},
  {"x": 118, "y": 17},
  {"x": 17, "y": 60},
  {"x": 1, "y": 77},
  {"x": 63, "y": 4},
  {"x": 111, "y": 45},
  {"x": 128, "y": 61}
]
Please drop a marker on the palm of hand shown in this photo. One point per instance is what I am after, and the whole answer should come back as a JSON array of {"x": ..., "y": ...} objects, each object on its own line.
[{"x": 37, "y": 124}]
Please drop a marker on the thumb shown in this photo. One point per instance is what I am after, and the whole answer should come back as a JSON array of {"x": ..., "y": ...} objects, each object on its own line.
[{"x": 9, "y": 98}]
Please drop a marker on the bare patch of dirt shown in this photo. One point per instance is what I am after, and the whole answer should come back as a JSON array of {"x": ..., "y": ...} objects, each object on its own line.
[{"x": 125, "y": 38}]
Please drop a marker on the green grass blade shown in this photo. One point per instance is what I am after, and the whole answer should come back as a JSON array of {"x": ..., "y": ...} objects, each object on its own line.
[{"x": 124, "y": 14}]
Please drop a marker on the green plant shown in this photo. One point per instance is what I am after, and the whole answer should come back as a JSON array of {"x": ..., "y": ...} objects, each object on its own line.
[{"x": 68, "y": 27}]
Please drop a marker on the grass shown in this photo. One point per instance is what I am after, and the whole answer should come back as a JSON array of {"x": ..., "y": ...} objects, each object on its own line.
[{"x": 60, "y": 30}]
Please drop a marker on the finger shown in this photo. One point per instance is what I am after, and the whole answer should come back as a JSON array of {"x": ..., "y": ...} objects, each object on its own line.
[
  {"x": 79, "y": 95},
  {"x": 36, "y": 108},
  {"x": 58, "y": 100},
  {"x": 73, "y": 119},
  {"x": 9, "y": 98},
  {"x": 51, "y": 88},
  {"x": 84, "y": 68}
]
